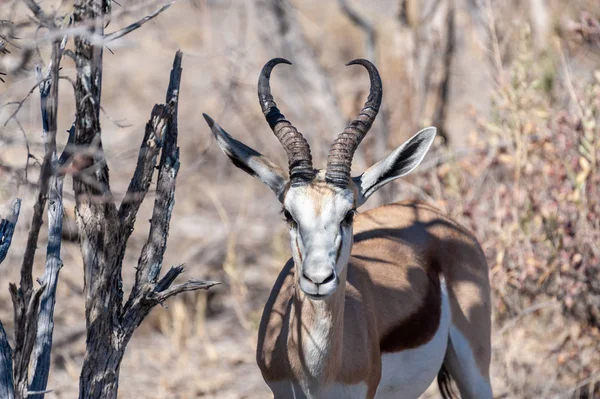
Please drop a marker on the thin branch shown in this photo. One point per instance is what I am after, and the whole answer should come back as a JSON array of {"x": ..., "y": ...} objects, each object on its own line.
[
  {"x": 364, "y": 25},
  {"x": 39, "y": 13},
  {"x": 509, "y": 324},
  {"x": 144, "y": 170},
  {"x": 114, "y": 121},
  {"x": 128, "y": 29},
  {"x": 150, "y": 296},
  {"x": 20, "y": 103},
  {"x": 67, "y": 155},
  {"x": 7, "y": 228},
  {"x": 190, "y": 285},
  {"x": 49, "y": 97}
]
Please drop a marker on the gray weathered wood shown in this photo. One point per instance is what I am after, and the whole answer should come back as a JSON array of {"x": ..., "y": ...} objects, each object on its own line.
[
  {"x": 25, "y": 298},
  {"x": 146, "y": 164},
  {"x": 43, "y": 344},
  {"x": 97, "y": 217},
  {"x": 104, "y": 231},
  {"x": 6, "y": 382},
  {"x": 7, "y": 228},
  {"x": 25, "y": 333}
]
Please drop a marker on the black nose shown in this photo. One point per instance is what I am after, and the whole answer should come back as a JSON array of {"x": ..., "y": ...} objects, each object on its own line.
[{"x": 326, "y": 280}]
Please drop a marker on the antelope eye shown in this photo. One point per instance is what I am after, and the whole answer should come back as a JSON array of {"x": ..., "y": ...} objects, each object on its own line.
[
  {"x": 288, "y": 217},
  {"x": 349, "y": 218}
]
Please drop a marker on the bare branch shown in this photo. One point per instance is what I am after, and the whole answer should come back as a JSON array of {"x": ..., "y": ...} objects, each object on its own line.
[
  {"x": 144, "y": 170},
  {"x": 49, "y": 113},
  {"x": 150, "y": 296},
  {"x": 67, "y": 155},
  {"x": 7, "y": 389},
  {"x": 150, "y": 261},
  {"x": 25, "y": 299},
  {"x": 43, "y": 343},
  {"x": 39, "y": 13},
  {"x": 128, "y": 29},
  {"x": 19, "y": 103},
  {"x": 190, "y": 285},
  {"x": 147, "y": 292},
  {"x": 7, "y": 228},
  {"x": 363, "y": 24}
]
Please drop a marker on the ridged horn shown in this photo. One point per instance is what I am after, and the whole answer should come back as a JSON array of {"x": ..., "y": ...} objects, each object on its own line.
[
  {"x": 294, "y": 143},
  {"x": 339, "y": 160}
]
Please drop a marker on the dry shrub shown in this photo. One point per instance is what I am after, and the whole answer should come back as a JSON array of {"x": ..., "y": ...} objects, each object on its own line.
[{"x": 531, "y": 194}]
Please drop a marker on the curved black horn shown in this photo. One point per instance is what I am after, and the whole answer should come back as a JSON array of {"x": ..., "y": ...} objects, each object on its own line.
[
  {"x": 339, "y": 160},
  {"x": 295, "y": 145}
]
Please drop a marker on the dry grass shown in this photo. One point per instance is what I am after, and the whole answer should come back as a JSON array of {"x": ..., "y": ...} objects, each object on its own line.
[{"x": 522, "y": 174}]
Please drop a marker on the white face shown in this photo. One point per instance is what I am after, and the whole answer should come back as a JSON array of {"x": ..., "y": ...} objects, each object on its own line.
[{"x": 320, "y": 221}]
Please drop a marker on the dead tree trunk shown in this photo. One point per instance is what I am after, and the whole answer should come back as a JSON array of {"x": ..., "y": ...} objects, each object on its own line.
[
  {"x": 104, "y": 229},
  {"x": 434, "y": 39},
  {"x": 377, "y": 142}
]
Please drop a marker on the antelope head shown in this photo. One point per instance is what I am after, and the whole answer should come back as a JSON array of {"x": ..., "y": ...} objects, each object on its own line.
[{"x": 319, "y": 205}]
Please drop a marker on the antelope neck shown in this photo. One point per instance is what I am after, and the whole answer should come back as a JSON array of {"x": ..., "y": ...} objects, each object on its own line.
[{"x": 316, "y": 332}]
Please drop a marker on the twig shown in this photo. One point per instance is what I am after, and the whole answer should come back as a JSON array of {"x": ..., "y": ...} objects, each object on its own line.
[
  {"x": 128, "y": 29},
  {"x": 7, "y": 228},
  {"x": 569, "y": 81},
  {"x": 509, "y": 324},
  {"x": 569, "y": 392},
  {"x": 114, "y": 121},
  {"x": 19, "y": 104},
  {"x": 366, "y": 26},
  {"x": 190, "y": 285},
  {"x": 39, "y": 13}
]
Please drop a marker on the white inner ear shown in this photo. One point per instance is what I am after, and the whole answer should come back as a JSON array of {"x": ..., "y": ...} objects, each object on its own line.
[{"x": 400, "y": 162}]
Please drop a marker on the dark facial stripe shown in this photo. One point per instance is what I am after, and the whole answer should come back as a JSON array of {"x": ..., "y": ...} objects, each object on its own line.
[
  {"x": 298, "y": 249},
  {"x": 339, "y": 250}
]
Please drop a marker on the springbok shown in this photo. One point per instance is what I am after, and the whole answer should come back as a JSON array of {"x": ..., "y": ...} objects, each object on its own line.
[{"x": 371, "y": 305}]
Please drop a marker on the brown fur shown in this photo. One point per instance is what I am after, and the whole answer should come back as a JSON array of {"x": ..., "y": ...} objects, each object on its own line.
[{"x": 391, "y": 299}]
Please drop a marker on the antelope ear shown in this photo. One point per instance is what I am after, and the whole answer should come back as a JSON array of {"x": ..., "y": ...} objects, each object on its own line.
[
  {"x": 400, "y": 162},
  {"x": 249, "y": 160}
]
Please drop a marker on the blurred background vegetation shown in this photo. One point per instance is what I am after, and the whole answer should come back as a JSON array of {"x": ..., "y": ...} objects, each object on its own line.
[{"x": 513, "y": 86}]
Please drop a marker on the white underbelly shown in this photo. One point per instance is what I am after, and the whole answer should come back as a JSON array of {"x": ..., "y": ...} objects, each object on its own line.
[
  {"x": 287, "y": 389},
  {"x": 407, "y": 374}
]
